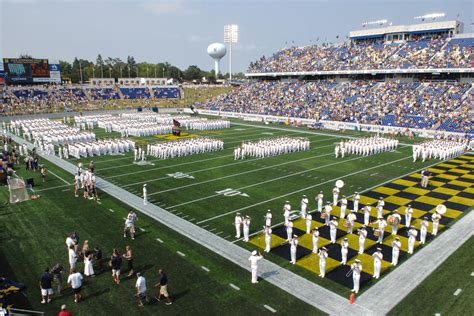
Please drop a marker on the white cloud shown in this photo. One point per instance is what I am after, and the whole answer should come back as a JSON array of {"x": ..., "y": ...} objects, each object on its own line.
[
  {"x": 198, "y": 39},
  {"x": 164, "y": 7}
]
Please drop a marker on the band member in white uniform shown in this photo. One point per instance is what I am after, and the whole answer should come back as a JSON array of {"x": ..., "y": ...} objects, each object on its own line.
[
  {"x": 268, "y": 218},
  {"x": 408, "y": 215},
  {"x": 343, "y": 207},
  {"x": 344, "y": 250},
  {"x": 423, "y": 230},
  {"x": 268, "y": 238},
  {"x": 412, "y": 233},
  {"x": 435, "y": 218},
  {"x": 308, "y": 220},
  {"x": 356, "y": 201},
  {"x": 254, "y": 259},
  {"x": 333, "y": 229},
  {"x": 367, "y": 210},
  {"x": 286, "y": 214},
  {"x": 396, "y": 245},
  {"x": 398, "y": 218},
  {"x": 351, "y": 218},
  {"x": 362, "y": 236},
  {"x": 304, "y": 206},
  {"x": 238, "y": 223},
  {"x": 382, "y": 225},
  {"x": 380, "y": 205},
  {"x": 319, "y": 200},
  {"x": 246, "y": 228},
  {"x": 378, "y": 256},
  {"x": 315, "y": 239},
  {"x": 335, "y": 195},
  {"x": 356, "y": 272},
  {"x": 293, "y": 247},
  {"x": 289, "y": 230},
  {"x": 145, "y": 201},
  {"x": 327, "y": 210},
  {"x": 323, "y": 254}
]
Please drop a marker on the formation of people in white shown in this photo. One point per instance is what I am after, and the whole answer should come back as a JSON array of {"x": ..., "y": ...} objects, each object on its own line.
[
  {"x": 186, "y": 121},
  {"x": 185, "y": 147},
  {"x": 349, "y": 218},
  {"x": 271, "y": 147},
  {"x": 440, "y": 149},
  {"x": 365, "y": 146},
  {"x": 209, "y": 125},
  {"x": 97, "y": 148}
]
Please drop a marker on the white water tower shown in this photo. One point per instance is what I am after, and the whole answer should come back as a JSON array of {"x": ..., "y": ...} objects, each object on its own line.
[{"x": 216, "y": 51}]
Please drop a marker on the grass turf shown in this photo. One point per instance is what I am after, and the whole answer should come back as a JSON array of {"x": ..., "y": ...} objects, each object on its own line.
[
  {"x": 436, "y": 293},
  {"x": 33, "y": 233}
]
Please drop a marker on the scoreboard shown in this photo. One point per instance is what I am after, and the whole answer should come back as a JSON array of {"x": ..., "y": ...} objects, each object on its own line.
[{"x": 26, "y": 70}]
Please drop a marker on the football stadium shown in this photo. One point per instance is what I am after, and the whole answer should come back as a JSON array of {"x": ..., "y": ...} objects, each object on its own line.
[{"x": 332, "y": 174}]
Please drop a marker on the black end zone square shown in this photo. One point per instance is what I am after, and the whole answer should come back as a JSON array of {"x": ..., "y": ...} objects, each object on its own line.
[
  {"x": 281, "y": 232},
  {"x": 412, "y": 179},
  {"x": 284, "y": 251},
  {"x": 456, "y": 206},
  {"x": 390, "y": 206},
  {"x": 324, "y": 232},
  {"x": 438, "y": 195},
  {"x": 466, "y": 195},
  {"x": 360, "y": 218},
  {"x": 334, "y": 251},
  {"x": 375, "y": 195},
  {"x": 386, "y": 251},
  {"x": 339, "y": 275},
  {"x": 407, "y": 195},
  {"x": 395, "y": 186},
  {"x": 454, "y": 187},
  {"x": 439, "y": 179},
  {"x": 465, "y": 179},
  {"x": 370, "y": 234},
  {"x": 422, "y": 206},
  {"x": 445, "y": 220}
]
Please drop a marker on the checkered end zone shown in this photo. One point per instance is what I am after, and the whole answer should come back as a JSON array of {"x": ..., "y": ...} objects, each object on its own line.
[{"x": 451, "y": 184}]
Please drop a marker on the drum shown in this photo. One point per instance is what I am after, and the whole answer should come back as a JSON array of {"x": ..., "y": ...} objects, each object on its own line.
[
  {"x": 391, "y": 220},
  {"x": 345, "y": 224},
  {"x": 323, "y": 215},
  {"x": 376, "y": 232}
]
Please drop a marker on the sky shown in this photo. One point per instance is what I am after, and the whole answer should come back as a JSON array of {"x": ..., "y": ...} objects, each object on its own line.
[{"x": 179, "y": 31}]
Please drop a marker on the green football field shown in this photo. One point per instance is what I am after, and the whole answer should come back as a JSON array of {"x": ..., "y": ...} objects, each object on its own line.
[{"x": 207, "y": 190}]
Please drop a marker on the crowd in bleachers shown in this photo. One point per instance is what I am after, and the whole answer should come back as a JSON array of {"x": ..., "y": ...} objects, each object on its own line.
[
  {"x": 420, "y": 53},
  {"x": 437, "y": 104},
  {"x": 45, "y": 99}
]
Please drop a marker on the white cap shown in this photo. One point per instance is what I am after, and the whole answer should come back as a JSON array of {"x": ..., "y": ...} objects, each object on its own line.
[{"x": 254, "y": 253}]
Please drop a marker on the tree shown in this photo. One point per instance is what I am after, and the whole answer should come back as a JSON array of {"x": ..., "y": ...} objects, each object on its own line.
[
  {"x": 131, "y": 67},
  {"x": 99, "y": 66},
  {"x": 193, "y": 73},
  {"x": 25, "y": 56},
  {"x": 66, "y": 69},
  {"x": 79, "y": 67}
]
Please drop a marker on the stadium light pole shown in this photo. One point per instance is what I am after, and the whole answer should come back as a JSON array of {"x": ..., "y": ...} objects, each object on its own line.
[
  {"x": 80, "y": 70},
  {"x": 231, "y": 35}
]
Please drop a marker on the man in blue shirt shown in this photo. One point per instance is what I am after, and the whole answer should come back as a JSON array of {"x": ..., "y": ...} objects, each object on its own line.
[{"x": 46, "y": 285}]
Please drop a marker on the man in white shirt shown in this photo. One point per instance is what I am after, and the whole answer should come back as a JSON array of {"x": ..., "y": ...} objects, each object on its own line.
[
  {"x": 140, "y": 286},
  {"x": 75, "y": 282},
  {"x": 254, "y": 259},
  {"x": 145, "y": 201},
  {"x": 237, "y": 222}
]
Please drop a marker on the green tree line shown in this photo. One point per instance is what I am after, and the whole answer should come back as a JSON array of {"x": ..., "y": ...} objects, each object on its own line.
[{"x": 117, "y": 68}]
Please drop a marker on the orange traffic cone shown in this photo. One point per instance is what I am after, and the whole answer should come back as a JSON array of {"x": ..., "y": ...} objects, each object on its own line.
[{"x": 352, "y": 298}]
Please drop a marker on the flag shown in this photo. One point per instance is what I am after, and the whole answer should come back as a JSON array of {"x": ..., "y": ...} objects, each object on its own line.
[{"x": 176, "y": 123}]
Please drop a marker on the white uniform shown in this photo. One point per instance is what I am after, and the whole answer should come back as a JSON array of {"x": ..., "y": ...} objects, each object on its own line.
[
  {"x": 319, "y": 199},
  {"x": 367, "y": 209},
  {"x": 289, "y": 230},
  {"x": 304, "y": 205},
  {"x": 343, "y": 208},
  {"x": 423, "y": 231},
  {"x": 293, "y": 247},
  {"x": 315, "y": 239},
  {"x": 396, "y": 245},
  {"x": 362, "y": 237},
  {"x": 145, "y": 201},
  {"x": 435, "y": 219},
  {"x": 356, "y": 202},
  {"x": 308, "y": 221},
  {"x": 254, "y": 259},
  {"x": 335, "y": 195},
  {"x": 408, "y": 216},
  {"x": 268, "y": 219},
  {"x": 378, "y": 256},
  {"x": 237, "y": 223},
  {"x": 344, "y": 251},
  {"x": 322, "y": 262},
  {"x": 356, "y": 271},
  {"x": 412, "y": 233},
  {"x": 268, "y": 238},
  {"x": 333, "y": 230},
  {"x": 246, "y": 229},
  {"x": 351, "y": 218}
]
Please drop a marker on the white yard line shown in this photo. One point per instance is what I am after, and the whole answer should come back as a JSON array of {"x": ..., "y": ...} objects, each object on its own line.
[
  {"x": 458, "y": 291},
  {"x": 59, "y": 177},
  {"x": 180, "y": 253},
  {"x": 271, "y": 309},
  {"x": 111, "y": 210},
  {"x": 159, "y": 240},
  {"x": 205, "y": 268},
  {"x": 52, "y": 188},
  {"x": 244, "y": 172},
  {"x": 267, "y": 181},
  {"x": 235, "y": 287},
  {"x": 298, "y": 191}
]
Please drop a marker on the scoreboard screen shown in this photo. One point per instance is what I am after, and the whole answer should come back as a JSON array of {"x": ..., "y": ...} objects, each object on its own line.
[{"x": 25, "y": 70}]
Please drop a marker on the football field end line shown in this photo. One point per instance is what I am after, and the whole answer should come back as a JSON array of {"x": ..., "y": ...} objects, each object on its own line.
[
  {"x": 158, "y": 159},
  {"x": 361, "y": 192},
  {"x": 195, "y": 161},
  {"x": 242, "y": 173},
  {"x": 249, "y": 161},
  {"x": 297, "y": 191},
  {"x": 55, "y": 187},
  {"x": 274, "y": 179}
]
